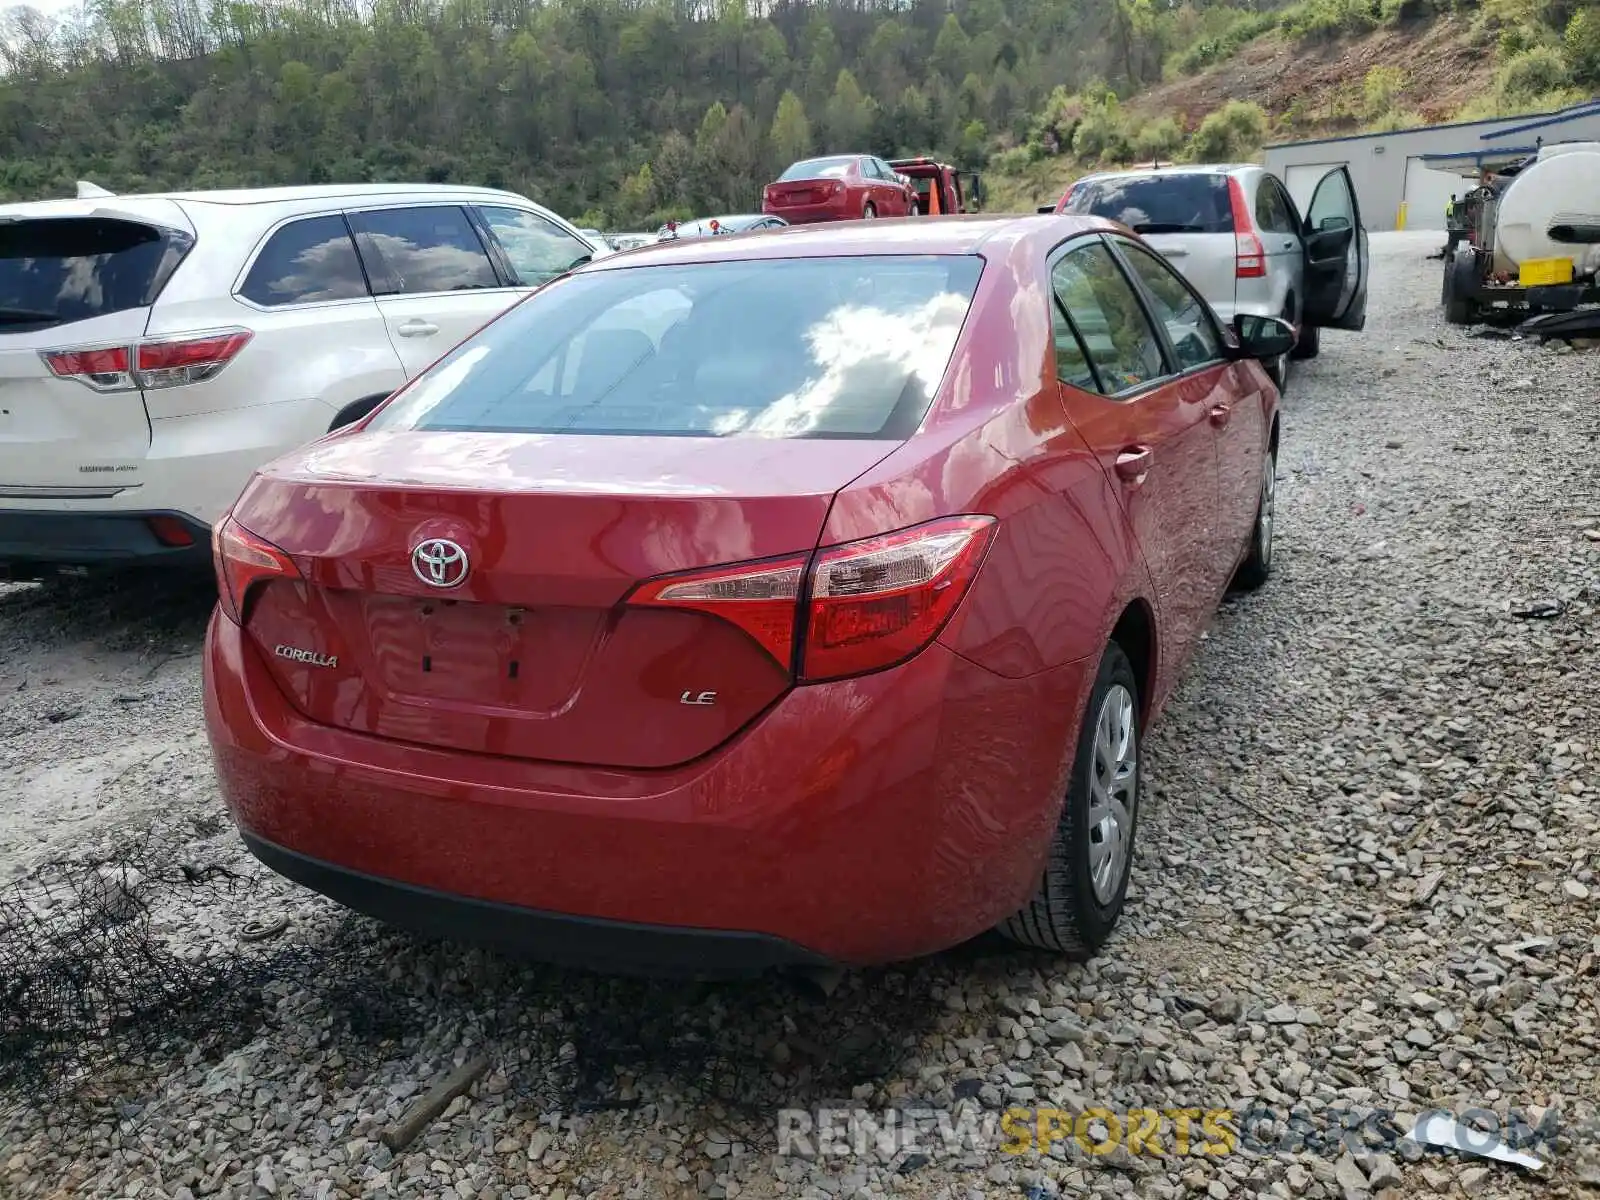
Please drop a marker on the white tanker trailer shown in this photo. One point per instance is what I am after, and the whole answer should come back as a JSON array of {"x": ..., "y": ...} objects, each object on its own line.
[{"x": 1532, "y": 239}]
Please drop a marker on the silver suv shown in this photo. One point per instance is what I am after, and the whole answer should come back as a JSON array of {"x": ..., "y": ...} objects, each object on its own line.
[{"x": 1234, "y": 231}]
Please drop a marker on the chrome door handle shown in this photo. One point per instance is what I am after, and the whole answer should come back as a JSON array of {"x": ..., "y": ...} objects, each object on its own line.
[{"x": 417, "y": 328}]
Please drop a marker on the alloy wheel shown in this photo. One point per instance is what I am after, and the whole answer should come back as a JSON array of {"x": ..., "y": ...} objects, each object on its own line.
[
  {"x": 1113, "y": 792},
  {"x": 1264, "y": 516}
]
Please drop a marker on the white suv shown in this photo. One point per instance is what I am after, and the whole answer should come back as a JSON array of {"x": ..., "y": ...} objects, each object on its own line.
[{"x": 154, "y": 350}]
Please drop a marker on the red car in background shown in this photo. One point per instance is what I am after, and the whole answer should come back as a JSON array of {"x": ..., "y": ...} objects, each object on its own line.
[
  {"x": 840, "y": 187},
  {"x": 629, "y": 643}
]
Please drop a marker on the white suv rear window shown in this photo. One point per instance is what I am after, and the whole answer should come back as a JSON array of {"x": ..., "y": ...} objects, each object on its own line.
[{"x": 57, "y": 270}]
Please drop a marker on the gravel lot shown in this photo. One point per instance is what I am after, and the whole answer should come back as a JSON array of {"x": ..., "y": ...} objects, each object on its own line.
[{"x": 1366, "y": 881}]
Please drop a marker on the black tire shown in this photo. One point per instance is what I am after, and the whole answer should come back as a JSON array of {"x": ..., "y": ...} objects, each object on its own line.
[
  {"x": 1309, "y": 343},
  {"x": 1460, "y": 282},
  {"x": 915, "y": 210},
  {"x": 1257, "y": 566},
  {"x": 869, "y": 212},
  {"x": 1066, "y": 915},
  {"x": 1278, "y": 368}
]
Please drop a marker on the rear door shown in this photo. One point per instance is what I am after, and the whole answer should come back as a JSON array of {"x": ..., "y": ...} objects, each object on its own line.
[
  {"x": 75, "y": 295},
  {"x": 1234, "y": 403},
  {"x": 1151, "y": 430},
  {"x": 1279, "y": 230},
  {"x": 432, "y": 273},
  {"x": 1335, "y": 255},
  {"x": 887, "y": 192},
  {"x": 1185, "y": 216}
]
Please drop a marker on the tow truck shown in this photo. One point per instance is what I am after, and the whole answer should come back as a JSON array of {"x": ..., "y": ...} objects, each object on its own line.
[{"x": 940, "y": 187}]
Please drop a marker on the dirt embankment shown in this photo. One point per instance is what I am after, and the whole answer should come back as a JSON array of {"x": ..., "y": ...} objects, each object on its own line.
[{"x": 1312, "y": 90}]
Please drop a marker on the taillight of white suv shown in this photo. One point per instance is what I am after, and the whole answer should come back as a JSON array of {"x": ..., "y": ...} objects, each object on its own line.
[{"x": 163, "y": 363}]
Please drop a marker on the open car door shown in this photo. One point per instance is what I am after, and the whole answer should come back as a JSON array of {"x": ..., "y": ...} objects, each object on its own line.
[{"x": 1336, "y": 255}]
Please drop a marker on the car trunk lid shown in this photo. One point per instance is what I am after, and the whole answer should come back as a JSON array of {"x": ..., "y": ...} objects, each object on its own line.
[
  {"x": 802, "y": 191},
  {"x": 532, "y": 654}
]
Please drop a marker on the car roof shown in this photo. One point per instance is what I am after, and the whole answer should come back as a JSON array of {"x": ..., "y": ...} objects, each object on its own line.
[
  {"x": 1175, "y": 169},
  {"x": 916, "y": 235},
  {"x": 289, "y": 197}
]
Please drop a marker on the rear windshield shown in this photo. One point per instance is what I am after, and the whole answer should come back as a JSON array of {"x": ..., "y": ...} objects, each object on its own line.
[
  {"x": 819, "y": 168},
  {"x": 787, "y": 348},
  {"x": 65, "y": 269},
  {"x": 1177, "y": 203}
]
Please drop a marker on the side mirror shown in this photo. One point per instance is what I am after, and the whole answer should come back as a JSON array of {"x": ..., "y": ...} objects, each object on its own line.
[
  {"x": 1262, "y": 337},
  {"x": 1329, "y": 224},
  {"x": 1047, "y": 208}
]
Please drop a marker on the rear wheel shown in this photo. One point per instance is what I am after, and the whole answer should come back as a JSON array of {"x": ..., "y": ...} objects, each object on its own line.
[
  {"x": 1460, "y": 281},
  {"x": 1257, "y": 566},
  {"x": 870, "y": 211},
  {"x": 1278, "y": 368},
  {"x": 1086, "y": 875}
]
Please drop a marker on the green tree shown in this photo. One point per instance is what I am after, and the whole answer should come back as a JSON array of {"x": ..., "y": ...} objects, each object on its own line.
[
  {"x": 850, "y": 115},
  {"x": 791, "y": 131},
  {"x": 1581, "y": 43},
  {"x": 1234, "y": 131}
]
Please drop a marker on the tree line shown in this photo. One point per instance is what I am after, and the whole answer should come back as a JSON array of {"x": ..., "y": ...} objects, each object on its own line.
[{"x": 618, "y": 112}]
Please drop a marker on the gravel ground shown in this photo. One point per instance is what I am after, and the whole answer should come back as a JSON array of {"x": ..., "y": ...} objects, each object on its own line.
[{"x": 1366, "y": 884}]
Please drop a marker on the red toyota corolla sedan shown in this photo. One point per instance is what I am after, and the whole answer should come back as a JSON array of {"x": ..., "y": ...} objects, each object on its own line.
[
  {"x": 841, "y": 187},
  {"x": 743, "y": 602}
]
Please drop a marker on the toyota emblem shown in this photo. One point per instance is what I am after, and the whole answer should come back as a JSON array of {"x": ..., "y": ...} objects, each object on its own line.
[{"x": 440, "y": 563}]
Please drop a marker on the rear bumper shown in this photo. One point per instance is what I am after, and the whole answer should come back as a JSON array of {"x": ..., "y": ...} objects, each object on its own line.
[
  {"x": 195, "y": 468},
  {"x": 43, "y": 542},
  {"x": 811, "y": 214},
  {"x": 616, "y": 947},
  {"x": 861, "y": 821}
]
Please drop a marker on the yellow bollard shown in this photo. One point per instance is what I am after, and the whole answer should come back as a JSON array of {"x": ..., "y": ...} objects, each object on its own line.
[{"x": 1400, "y": 217}]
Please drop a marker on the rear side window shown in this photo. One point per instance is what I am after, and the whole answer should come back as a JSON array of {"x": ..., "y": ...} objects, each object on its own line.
[
  {"x": 306, "y": 262},
  {"x": 1272, "y": 209},
  {"x": 425, "y": 249},
  {"x": 1105, "y": 310},
  {"x": 787, "y": 348},
  {"x": 64, "y": 269},
  {"x": 1182, "y": 202}
]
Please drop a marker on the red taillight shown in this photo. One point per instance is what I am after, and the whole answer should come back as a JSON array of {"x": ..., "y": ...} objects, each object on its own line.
[
  {"x": 868, "y": 604},
  {"x": 242, "y": 561},
  {"x": 170, "y": 531},
  {"x": 1249, "y": 255},
  {"x": 169, "y": 362},
  {"x": 105, "y": 369},
  {"x": 188, "y": 360},
  {"x": 877, "y": 602},
  {"x": 761, "y": 598}
]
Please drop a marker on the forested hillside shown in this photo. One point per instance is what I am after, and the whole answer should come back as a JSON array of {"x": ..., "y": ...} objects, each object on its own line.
[{"x": 624, "y": 111}]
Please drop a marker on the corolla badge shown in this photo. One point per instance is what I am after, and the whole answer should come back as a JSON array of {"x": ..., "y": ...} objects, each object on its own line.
[
  {"x": 309, "y": 657},
  {"x": 440, "y": 563}
]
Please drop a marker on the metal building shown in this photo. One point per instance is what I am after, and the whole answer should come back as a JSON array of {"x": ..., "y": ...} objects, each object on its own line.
[{"x": 1409, "y": 176}]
